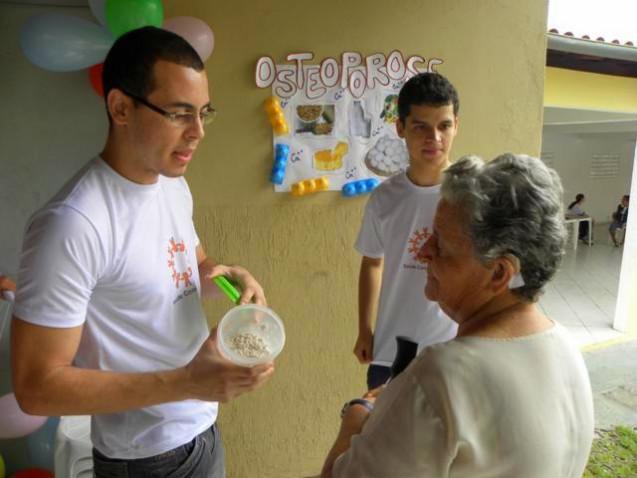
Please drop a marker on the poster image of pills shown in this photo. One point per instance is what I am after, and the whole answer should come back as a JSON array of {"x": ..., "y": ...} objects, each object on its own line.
[
  {"x": 390, "y": 109},
  {"x": 313, "y": 119},
  {"x": 387, "y": 157}
]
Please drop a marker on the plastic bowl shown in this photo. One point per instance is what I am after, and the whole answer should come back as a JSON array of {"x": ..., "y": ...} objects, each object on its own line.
[{"x": 250, "y": 334}]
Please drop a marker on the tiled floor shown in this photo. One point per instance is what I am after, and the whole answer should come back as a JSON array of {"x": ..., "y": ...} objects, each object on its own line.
[{"x": 582, "y": 295}]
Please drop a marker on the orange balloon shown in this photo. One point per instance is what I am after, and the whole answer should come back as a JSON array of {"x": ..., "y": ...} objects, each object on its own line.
[{"x": 95, "y": 75}]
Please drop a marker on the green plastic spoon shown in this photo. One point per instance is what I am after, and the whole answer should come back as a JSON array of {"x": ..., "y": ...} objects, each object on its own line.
[{"x": 227, "y": 288}]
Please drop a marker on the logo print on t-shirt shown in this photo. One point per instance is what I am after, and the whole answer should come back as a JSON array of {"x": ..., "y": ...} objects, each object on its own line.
[
  {"x": 177, "y": 262},
  {"x": 415, "y": 243}
]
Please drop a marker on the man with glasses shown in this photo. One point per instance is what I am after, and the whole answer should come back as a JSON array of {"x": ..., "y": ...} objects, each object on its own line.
[{"x": 108, "y": 320}]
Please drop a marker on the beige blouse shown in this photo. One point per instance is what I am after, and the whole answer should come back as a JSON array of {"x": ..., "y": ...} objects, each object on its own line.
[{"x": 477, "y": 407}]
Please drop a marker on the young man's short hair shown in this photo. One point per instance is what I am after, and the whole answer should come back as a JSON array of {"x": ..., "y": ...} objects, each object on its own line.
[
  {"x": 431, "y": 89},
  {"x": 130, "y": 61}
]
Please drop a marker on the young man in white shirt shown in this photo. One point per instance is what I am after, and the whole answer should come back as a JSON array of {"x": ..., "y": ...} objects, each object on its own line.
[
  {"x": 398, "y": 220},
  {"x": 108, "y": 319}
]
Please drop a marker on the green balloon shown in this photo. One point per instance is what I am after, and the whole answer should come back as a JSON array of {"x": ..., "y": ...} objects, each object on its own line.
[{"x": 125, "y": 15}]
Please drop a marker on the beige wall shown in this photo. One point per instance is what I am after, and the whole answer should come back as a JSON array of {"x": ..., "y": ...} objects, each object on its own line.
[{"x": 302, "y": 248}]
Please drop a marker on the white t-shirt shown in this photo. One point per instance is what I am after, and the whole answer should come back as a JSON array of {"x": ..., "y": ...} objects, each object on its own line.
[
  {"x": 398, "y": 220},
  {"x": 119, "y": 258},
  {"x": 481, "y": 408},
  {"x": 576, "y": 210}
]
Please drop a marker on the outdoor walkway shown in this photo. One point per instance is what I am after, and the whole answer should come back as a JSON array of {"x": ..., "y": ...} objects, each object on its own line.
[
  {"x": 583, "y": 294},
  {"x": 613, "y": 373}
]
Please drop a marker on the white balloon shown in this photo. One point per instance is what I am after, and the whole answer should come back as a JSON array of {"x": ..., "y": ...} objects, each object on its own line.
[{"x": 64, "y": 43}]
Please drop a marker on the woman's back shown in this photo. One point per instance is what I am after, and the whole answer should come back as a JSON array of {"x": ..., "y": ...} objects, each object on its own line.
[
  {"x": 521, "y": 407},
  {"x": 477, "y": 407}
]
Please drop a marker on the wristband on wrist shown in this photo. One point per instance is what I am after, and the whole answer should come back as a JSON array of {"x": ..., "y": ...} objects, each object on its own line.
[{"x": 357, "y": 401}]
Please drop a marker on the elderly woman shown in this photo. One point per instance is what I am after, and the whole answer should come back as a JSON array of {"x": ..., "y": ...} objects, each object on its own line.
[{"x": 510, "y": 396}]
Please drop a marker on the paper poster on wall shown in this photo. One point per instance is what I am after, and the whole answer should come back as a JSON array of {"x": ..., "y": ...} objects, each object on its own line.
[{"x": 341, "y": 118}]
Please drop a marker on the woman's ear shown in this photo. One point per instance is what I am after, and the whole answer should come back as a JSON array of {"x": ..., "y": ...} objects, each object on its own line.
[{"x": 504, "y": 269}]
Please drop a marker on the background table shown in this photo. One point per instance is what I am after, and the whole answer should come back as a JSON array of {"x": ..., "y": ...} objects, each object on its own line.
[{"x": 575, "y": 220}]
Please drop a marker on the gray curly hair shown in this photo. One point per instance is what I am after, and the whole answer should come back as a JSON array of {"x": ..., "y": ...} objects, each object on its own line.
[{"x": 513, "y": 206}]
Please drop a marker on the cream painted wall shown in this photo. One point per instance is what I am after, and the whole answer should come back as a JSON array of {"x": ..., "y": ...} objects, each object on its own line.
[
  {"x": 302, "y": 248},
  {"x": 572, "y": 158}
]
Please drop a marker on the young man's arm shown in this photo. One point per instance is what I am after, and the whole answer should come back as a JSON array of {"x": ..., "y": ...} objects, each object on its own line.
[
  {"x": 369, "y": 283},
  {"x": 46, "y": 382},
  {"x": 251, "y": 290}
]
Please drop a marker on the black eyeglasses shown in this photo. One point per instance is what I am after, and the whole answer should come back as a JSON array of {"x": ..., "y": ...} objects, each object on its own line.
[{"x": 182, "y": 119}]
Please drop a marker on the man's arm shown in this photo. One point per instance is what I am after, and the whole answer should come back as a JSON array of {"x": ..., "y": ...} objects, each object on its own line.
[
  {"x": 369, "y": 283},
  {"x": 251, "y": 290},
  {"x": 46, "y": 382}
]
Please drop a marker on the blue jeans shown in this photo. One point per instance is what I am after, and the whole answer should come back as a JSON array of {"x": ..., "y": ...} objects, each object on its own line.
[{"x": 203, "y": 457}]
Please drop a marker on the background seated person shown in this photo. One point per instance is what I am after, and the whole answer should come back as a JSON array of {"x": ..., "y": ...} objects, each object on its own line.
[
  {"x": 620, "y": 217},
  {"x": 510, "y": 396},
  {"x": 575, "y": 210}
]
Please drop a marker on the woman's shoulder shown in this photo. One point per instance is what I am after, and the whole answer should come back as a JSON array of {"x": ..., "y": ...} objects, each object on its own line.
[
  {"x": 458, "y": 347},
  {"x": 464, "y": 358},
  {"x": 448, "y": 360}
]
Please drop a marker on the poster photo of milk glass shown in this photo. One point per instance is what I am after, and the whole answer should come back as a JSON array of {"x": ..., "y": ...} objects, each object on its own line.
[{"x": 342, "y": 114}]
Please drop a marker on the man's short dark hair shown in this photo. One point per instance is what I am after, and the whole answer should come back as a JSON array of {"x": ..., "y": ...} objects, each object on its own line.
[
  {"x": 431, "y": 89},
  {"x": 130, "y": 61}
]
